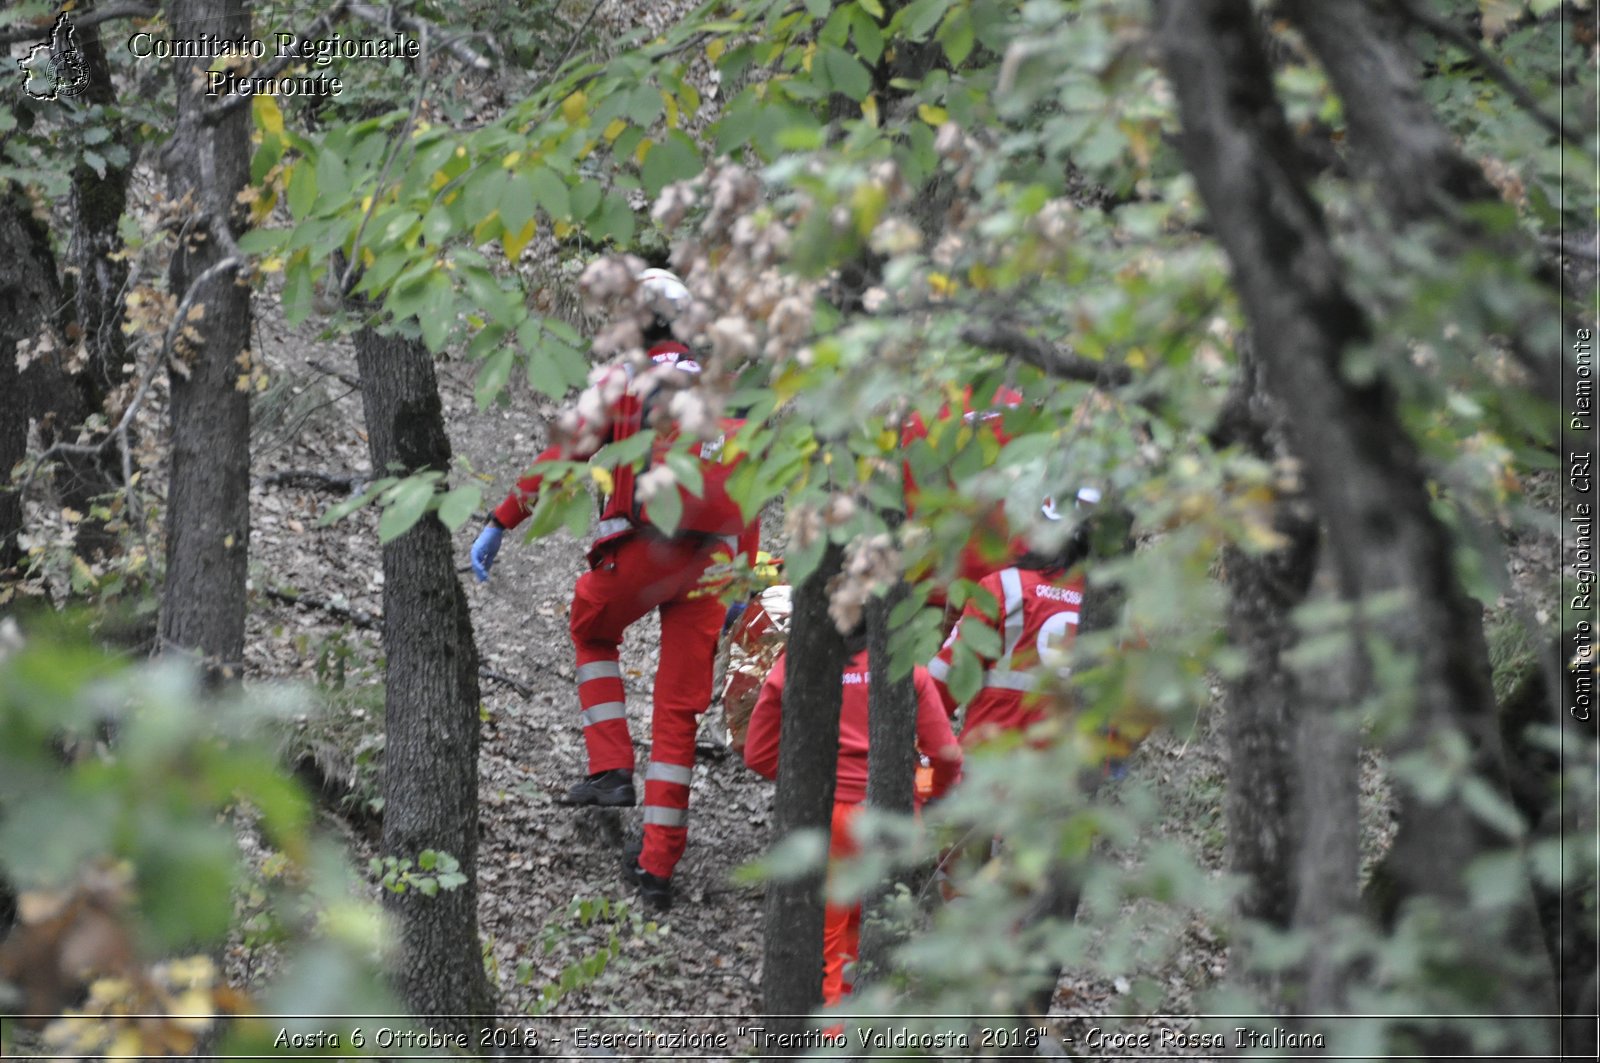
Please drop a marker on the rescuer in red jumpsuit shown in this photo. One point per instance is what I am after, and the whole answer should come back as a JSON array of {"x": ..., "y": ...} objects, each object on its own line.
[
  {"x": 634, "y": 568},
  {"x": 841, "y": 934},
  {"x": 1039, "y": 603}
]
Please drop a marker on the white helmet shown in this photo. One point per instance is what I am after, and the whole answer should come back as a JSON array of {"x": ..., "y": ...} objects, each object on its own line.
[
  {"x": 664, "y": 292},
  {"x": 1087, "y": 496}
]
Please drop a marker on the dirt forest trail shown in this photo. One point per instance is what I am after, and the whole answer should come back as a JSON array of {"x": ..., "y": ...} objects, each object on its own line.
[
  {"x": 538, "y": 860},
  {"x": 544, "y": 868}
]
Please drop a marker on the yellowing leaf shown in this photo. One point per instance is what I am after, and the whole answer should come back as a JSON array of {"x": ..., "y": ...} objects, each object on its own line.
[
  {"x": 511, "y": 160},
  {"x": 564, "y": 229},
  {"x": 715, "y": 49},
  {"x": 602, "y": 477},
  {"x": 615, "y": 129},
  {"x": 811, "y": 53},
  {"x": 642, "y": 150},
  {"x": 268, "y": 116},
  {"x": 1136, "y": 359},
  {"x": 271, "y": 264},
  {"x": 670, "y": 101},
  {"x": 440, "y": 179},
  {"x": 980, "y": 276},
  {"x": 515, "y": 242},
  {"x": 367, "y": 257},
  {"x": 869, "y": 109},
  {"x": 488, "y": 228},
  {"x": 934, "y": 116},
  {"x": 575, "y": 108},
  {"x": 940, "y": 285}
]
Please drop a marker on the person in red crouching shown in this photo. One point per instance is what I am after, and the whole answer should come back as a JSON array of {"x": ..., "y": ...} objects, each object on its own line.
[
  {"x": 841, "y": 932},
  {"x": 635, "y": 567}
]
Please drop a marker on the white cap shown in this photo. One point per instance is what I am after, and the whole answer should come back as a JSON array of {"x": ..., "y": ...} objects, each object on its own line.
[
  {"x": 664, "y": 292},
  {"x": 1087, "y": 496}
]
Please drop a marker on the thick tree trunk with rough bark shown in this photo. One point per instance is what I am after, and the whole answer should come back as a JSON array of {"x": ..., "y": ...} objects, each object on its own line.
[
  {"x": 808, "y": 758},
  {"x": 1266, "y": 700},
  {"x": 1363, "y": 471},
  {"x": 30, "y": 296},
  {"x": 891, "y": 774},
  {"x": 430, "y": 771},
  {"x": 208, "y": 500}
]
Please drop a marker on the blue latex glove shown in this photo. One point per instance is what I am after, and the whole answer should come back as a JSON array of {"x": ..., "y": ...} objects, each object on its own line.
[{"x": 485, "y": 549}]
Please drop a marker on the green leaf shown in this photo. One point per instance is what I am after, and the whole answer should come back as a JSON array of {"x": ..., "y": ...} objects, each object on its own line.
[
  {"x": 409, "y": 503},
  {"x": 919, "y": 17},
  {"x": 956, "y": 36},
  {"x": 437, "y": 315},
  {"x": 427, "y": 860},
  {"x": 585, "y": 198},
  {"x": 846, "y": 74},
  {"x": 493, "y": 376},
  {"x": 550, "y": 192},
  {"x": 672, "y": 159},
  {"x": 355, "y": 502},
  {"x": 665, "y": 510},
  {"x": 615, "y": 221},
  {"x": 871, "y": 7},
  {"x": 517, "y": 202},
  {"x": 303, "y": 188},
  {"x": 456, "y": 507}
]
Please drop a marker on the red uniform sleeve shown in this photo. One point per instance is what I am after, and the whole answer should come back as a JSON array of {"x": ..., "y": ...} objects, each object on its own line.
[
  {"x": 514, "y": 510},
  {"x": 766, "y": 721},
  {"x": 934, "y": 737}
]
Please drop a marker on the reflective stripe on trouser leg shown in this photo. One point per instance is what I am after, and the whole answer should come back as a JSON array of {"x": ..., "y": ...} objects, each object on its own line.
[
  {"x": 597, "y": 623},
  {"x": 689, "y": 629}
]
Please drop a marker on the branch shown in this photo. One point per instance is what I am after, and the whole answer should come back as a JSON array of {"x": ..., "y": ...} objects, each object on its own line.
[
  {"x": 33, "y": 31},
  {"x": 1045, "y": 356},
  {"x": 344, "y": 378},
  {"x": 316, "y": 480},
  {"x": 378, "y": 16},
  {"x": 359, "y": 617},
  {"x": 515, "y": 684},
  {"x": 1446, "y": 30}
]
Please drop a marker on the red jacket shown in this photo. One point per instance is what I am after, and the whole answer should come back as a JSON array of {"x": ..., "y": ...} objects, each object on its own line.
[
  {"x": 992, "y": 546},
  {"x": 1038, "y": 613},
  {"x": 711, "y": 512},
  {"x": 934, "y": 737}
]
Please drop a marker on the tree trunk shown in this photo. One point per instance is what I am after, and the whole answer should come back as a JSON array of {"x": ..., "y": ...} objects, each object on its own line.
[
  {"x": 891, "y": 776},
  {"x": 1363, "y": 470},
  {"x": 29, "y": 292},
  {"x": 430, "y": 773},
  {"x": 1265, "y": 701},
  {"x": 96, "y": 283},
  {"x": 808, "y": 758},
  {"x": 1327, "y": 883},
  {"x": 208, "y": 498}
]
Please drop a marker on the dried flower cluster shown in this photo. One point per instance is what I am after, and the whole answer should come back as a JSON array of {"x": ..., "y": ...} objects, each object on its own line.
[{"x": 871, "y": 564}]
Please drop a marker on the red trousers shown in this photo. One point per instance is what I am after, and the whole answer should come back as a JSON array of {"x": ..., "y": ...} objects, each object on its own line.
[
  {"x": 841, "y": 924},
  {"x": 630, "y": 577}
]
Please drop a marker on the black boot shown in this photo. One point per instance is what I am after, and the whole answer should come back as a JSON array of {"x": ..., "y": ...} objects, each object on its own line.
[
  {"x": 655, "y": 891},
  {"x": 613, "y": 789}
]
